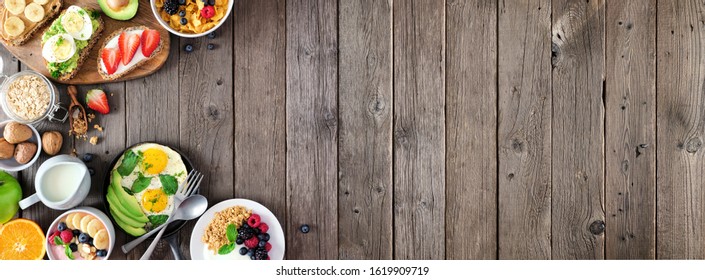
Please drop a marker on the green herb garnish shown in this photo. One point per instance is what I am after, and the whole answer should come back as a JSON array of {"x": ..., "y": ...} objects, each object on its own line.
[
  {"x": 67, "y": 248},
  {"x": 169, "y": 184},
  {"x": 157, "y": 220},
  {"x": 231, "y": 233},
  {"x": 141, "y": 183},
  {"x": 129, "y": 161}
]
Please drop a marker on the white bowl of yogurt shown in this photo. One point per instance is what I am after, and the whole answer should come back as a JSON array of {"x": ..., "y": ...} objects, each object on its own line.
[{"x": 97, "y": 224}]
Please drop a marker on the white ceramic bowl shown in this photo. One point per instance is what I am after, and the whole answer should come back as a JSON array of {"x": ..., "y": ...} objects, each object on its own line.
[
  {"x": 87, "y": 210},
  {"x": 11, "y": 164},
  {"x": 166, "y": 25}
]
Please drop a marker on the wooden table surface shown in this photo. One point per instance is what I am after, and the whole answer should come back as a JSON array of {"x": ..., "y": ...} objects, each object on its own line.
[{"x": 424, "y": 129}]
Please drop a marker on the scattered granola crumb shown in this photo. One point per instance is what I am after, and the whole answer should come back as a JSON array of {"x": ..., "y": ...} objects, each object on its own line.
[
  {"x": 93, "y": 140},
  {"x": 91, "y": 117},
  {"x": 98, "y": 127}
]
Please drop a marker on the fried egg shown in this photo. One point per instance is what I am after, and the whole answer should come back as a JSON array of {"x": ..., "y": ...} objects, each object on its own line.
[
  {"x": 59, "y": 48},
  {"x": 154, "y": 161},
  {"x": 77, "y": 23}
]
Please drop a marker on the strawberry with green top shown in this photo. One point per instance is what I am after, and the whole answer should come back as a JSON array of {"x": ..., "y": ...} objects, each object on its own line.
[{"x": 98, "y": 101}]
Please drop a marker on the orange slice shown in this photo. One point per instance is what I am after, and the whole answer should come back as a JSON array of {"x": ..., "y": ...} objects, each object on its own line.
[{"x": 22, "y": 239}]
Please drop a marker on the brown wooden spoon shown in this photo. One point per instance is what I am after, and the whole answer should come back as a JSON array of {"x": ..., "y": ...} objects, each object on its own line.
[{"x": 77, "y": 117}]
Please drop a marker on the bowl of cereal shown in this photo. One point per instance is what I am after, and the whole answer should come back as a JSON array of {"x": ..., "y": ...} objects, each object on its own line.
[
  {"x": 191, "y": 18},
  {"x": 28, "y": 97}
]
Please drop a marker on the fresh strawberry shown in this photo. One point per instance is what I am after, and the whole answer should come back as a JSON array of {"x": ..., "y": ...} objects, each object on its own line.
[
  {"x": 51, "y": 237},
  {"x": 208, "y": 12},
  {"x": 111, "y": 59},
  {"x": 150, "y": 41},
  {"x": 128, "y": 43},
  {"x": 98, "y": 101}
]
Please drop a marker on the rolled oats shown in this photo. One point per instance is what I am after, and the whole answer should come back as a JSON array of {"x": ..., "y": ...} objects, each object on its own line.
[{"x": 28, "y": 97}]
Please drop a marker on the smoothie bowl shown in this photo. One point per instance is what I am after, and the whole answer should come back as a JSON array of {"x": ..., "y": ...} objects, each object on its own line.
[{"x": 83, "y": 233}]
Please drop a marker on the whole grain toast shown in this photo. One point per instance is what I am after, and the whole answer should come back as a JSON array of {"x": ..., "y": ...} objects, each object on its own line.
[
  {"x": 48, "y": 17},
  {"x": 115, "y": 76},
  {"x": 85, "y": 51}
]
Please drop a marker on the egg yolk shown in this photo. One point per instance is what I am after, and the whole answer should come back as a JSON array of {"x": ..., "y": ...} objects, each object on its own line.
[
  {"x": 72, "y": 22},
  {"x": 154, "y": 161},
  {"x": 154, "y": 200}
]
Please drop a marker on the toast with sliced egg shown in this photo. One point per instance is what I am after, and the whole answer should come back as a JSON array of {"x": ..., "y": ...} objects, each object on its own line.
[
  {"x": 127, "y": 49},
  {"x": 67, "y": 42},
  {"x": 21, "y": 19}
]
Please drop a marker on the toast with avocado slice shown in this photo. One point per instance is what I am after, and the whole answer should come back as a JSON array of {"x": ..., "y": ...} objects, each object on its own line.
[{"x": 67, "y": 42}]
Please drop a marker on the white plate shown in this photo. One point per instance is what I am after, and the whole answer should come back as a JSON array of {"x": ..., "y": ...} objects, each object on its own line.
[{"x": 276, "y": 234}]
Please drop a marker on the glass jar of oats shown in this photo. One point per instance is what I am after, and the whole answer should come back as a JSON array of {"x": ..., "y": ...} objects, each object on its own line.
[{"x": 28, "y": 97}]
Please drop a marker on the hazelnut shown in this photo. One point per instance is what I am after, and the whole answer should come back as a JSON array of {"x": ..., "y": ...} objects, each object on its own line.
[
  {"x": 24, "y": 152},
  {"x": 7, "y": 150},
  {"x": 17, "y": 133},
  {"x": 51, "y": 142}
]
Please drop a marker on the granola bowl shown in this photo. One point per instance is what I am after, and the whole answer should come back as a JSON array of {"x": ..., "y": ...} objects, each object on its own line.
[
  {"x": 28, "y": 97},
  {"x": 11, "y": 164}
]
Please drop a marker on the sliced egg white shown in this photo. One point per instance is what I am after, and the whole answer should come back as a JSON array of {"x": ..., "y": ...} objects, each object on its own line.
[
  {"x": 77, "y": 23},
  {"x": 59, "y": 48}
]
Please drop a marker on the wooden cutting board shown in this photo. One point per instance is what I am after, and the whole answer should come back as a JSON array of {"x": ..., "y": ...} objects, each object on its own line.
[{"x": 31, "y": 52}]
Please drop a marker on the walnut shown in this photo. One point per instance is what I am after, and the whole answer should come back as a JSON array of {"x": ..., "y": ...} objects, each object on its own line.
[
  {"x": 24, "y": 152},
  {"x": 51, "y": 142},
  {"x": 17, "y": 133},
  {"x": 7, "y": 150}
]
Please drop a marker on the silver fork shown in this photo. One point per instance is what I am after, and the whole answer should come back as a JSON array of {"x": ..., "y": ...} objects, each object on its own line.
[{"x": 187, "y": 188}]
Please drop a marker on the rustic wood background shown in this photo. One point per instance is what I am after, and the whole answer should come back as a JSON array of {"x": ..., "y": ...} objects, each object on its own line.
[{"x": 430, "y": 129}]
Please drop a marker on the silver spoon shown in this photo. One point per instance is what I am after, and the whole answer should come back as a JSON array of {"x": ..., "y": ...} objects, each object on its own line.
[{"x": 193, "y": 207}]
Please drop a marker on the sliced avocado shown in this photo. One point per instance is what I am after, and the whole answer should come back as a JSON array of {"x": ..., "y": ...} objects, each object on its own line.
[
  {"x": 117, "y": 215},
  {"x": 126, "y": 200},
  {"x": 134, "y": 231},
  {"x": 114, "y": 202},
  {"x": 119, "y": 9}
]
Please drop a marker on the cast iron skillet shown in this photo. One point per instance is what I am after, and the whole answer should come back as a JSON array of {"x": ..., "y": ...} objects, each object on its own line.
[{"x": 171, "y": 234}]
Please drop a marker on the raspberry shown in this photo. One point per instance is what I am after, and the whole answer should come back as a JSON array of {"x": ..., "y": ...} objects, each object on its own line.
[
  {"x": 208, "y": 12},
  {"x": 252, "y": 242},
  {"x": 263, "y": 228},
  {"x": 268, "y": 246},
  {"x": 66, "y": 236},
  {"x": 254, "y": 220}
]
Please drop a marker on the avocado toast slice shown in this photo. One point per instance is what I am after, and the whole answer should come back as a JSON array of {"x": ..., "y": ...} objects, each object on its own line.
[{"x": 64, "y": 71}]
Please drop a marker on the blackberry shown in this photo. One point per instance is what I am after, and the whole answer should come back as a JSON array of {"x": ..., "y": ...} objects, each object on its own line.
[
  {"x": 171, "y": 6},
  {"x": 261, "y": 254},
  {"x": 244, "y": 233}
]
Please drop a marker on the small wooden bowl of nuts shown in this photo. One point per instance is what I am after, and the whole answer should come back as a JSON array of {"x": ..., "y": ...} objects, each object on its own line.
[{"x": 20, "y": 145}]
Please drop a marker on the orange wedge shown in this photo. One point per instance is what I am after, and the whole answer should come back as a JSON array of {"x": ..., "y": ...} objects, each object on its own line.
[{"x": 22, "y": 239}]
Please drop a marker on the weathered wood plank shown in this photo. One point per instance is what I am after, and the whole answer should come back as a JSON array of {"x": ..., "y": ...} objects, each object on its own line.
[
  {"x": 680, "y": 126},
  {"x": 312, "y": 128},
  {"x": 578, "y": 129},
  {"x": 630, "y": 130},
  {"x": 10, "y": 65},
  {"x": 419, "y": 130},
  {"x": 152, "y": 115},
  {"x": 365, "y": 160},
  {"x": 524, "y": 130},
  {"x": 206, "y": 116},
  {"x": 260, "y": 110}
]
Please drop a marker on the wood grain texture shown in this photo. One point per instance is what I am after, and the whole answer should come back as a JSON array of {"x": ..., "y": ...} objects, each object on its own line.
[
  {"x": 524, "y": 135},
  {"x": 260, "y": 110},
  {"x": 680, "y": 126},
  {"x": 578, "y": 129},
  {"x": 630, "y": 130},
  {"x": 312, "y": 128},
  {"x": 365, "y": 144},
  {"x": 206, "y": 116},
  {"x": 31, "y": 52},
  {"x": 10, "y": 65},
  {"x": 419, "y": 130},
  {"x": 152, "y": 115}
]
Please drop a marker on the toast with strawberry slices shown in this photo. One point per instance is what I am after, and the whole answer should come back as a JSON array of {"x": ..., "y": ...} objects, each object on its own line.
[{"x": 122, "y": 52}]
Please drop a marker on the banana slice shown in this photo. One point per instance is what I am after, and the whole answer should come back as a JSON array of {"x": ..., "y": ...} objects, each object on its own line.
[
  {"x": 93, "y": 227},
  {"x": 15, "y": 7},
  {"x": 101, "y": 240},
  {"x": 34, "y": 12},
  {"x": 41, "y": 2},
  {"x": 69, "y": 220},
  {"x": 14, "y": 26},
  {"x": 84, "y": 223},
  {"x": 76, "y": 220}
]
